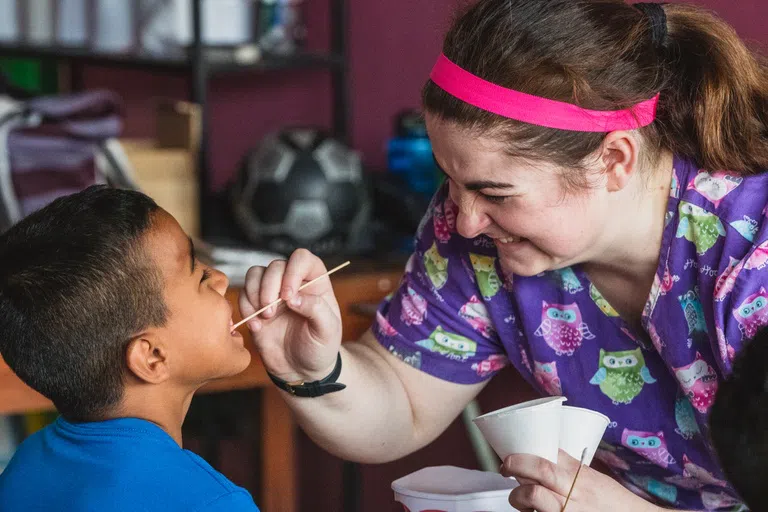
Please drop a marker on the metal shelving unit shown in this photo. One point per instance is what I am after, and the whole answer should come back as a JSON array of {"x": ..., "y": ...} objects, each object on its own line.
[
  {"x": 201, "y": 68},
  {"x": 128, "y": 60}
]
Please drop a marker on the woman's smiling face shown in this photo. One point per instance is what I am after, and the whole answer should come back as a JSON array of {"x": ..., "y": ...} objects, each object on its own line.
[{"x": 535, "y": 223}]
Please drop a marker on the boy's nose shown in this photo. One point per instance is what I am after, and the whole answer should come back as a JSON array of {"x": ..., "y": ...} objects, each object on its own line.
[{"x": 219, "y": 281}]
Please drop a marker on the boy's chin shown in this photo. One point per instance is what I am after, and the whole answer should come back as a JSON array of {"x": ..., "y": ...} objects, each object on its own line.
[
  {"x": 234, "y": 364},
  {"x": 240, "y": 362}
]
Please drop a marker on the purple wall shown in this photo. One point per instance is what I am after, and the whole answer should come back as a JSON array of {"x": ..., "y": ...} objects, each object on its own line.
[
  {"x": 747, "y": 16},
  {"x": 392, "y": 47}
]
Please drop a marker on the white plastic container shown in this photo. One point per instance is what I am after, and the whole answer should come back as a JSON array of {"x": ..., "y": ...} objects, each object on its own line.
[
  {"x": 9, "y": 26},
  {"x": 452, "y": 489},
  {"x": 39, "y": 29},
  {"x": 114, "y": 25},
  {"x": 71, "y": 24},
  {"x": 225, "y": 22}
]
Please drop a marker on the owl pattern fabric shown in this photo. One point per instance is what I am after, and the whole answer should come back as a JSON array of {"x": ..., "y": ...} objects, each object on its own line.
[{"x": 458, "y": 317}]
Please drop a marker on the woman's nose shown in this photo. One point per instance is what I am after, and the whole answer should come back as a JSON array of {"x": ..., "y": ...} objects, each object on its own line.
[{"x": 471, "y": 221}]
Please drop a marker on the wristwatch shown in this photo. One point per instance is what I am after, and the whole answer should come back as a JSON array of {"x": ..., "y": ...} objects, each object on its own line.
[{"x": 315, "y": 388}]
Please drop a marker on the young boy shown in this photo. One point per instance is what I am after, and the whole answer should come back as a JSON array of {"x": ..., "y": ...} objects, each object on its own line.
[
  {"x": 739, "y": 423},
  {"x": 105, "y": 310}
]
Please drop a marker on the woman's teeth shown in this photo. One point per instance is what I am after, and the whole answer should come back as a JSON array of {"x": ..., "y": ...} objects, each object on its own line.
[{"x": 509, "y": 239}]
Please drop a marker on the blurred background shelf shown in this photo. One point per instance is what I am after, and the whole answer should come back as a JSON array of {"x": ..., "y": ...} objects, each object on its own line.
[
  {"x": 243, "y": 58},
  {"x": 201, "y": 62}
]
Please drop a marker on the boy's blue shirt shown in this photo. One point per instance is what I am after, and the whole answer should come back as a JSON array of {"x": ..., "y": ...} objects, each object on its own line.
[{"x": 118, "y": 465}]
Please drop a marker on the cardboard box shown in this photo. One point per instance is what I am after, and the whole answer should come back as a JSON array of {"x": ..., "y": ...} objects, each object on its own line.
[
  {"x": 169, "y": 177},
  {"x": 177, "y": 125}
]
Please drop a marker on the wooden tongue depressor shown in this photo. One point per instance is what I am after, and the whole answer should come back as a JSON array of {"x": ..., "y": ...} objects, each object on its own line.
[
  {"x": 278, "y": 301},
  {"x": 581, "y": 463}
]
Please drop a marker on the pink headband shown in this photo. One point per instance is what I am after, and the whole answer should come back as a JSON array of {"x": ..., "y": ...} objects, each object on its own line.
[{"x": 535, "y": 110}]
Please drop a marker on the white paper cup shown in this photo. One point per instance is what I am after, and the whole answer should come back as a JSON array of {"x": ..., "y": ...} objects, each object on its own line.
[
  {"x": 452, "y": 489},
  {"x": 531, "y": 427},
  {"x": 579, "y": 429}
]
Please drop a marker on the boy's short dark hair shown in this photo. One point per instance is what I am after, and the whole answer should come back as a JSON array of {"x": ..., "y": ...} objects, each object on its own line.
[
  {"x": 75, "y": 286},
  {"x": 739, "y": 423}
]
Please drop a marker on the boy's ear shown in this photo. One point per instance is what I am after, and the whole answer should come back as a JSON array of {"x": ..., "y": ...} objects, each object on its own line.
[{"x": 147, "y": 359}]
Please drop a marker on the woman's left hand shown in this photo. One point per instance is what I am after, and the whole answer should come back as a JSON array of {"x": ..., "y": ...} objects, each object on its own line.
[{"x": 545, "y": 485}]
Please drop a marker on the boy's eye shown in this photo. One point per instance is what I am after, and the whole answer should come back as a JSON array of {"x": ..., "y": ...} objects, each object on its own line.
[{"x": 206, "y": 275}]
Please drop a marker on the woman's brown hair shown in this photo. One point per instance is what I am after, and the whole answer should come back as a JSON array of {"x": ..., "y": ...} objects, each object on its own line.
[{"x": 602, "y": 55}]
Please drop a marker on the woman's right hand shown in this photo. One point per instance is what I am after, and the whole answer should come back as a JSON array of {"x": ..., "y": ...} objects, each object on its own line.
[{"x": 300, "y": 342}]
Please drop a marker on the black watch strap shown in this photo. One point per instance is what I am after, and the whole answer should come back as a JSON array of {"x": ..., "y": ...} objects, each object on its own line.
[{"x": 315, "y": 388}]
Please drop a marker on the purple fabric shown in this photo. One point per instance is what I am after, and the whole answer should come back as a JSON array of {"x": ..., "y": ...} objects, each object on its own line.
[
  {"x": 58, "y": 156},
  {"x": 458, "y": 317}
]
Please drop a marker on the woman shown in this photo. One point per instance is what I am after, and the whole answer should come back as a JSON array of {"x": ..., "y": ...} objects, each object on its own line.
[{"x": 602, "y": 229}]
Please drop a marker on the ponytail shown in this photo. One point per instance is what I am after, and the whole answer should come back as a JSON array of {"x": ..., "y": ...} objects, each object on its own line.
[{"x": 714, "y": 107}]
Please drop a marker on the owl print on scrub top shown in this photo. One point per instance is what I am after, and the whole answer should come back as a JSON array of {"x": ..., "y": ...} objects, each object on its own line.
[{"x": 655, "y": 381}]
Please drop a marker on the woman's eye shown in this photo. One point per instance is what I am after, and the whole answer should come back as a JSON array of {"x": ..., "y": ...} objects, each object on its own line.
[{"x": 495, "y": 199}]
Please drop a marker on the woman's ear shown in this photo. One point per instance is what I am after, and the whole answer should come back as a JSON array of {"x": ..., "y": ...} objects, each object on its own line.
[
  {"x": 620, "y": 159},
  {"x": 147, "y": 359}
]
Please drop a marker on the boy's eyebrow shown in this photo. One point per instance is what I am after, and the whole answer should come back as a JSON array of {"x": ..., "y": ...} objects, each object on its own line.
[{"x": 191, "y": 254}]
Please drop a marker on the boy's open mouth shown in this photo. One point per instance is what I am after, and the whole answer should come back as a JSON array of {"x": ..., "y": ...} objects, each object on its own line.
[{"x": 232, "y": 331}]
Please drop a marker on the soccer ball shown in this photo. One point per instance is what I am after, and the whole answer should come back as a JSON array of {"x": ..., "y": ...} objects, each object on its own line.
[{"x": 300, "y": 188}]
